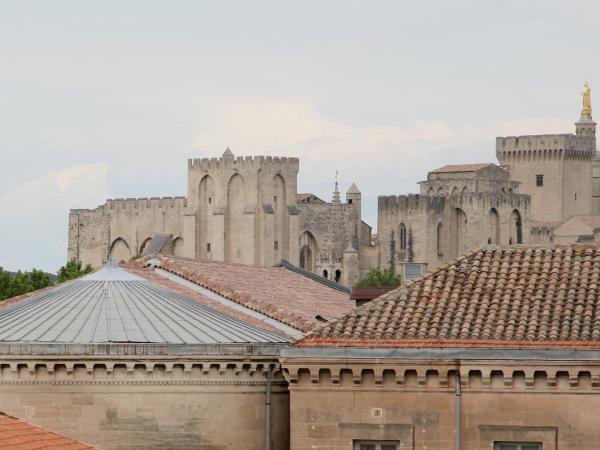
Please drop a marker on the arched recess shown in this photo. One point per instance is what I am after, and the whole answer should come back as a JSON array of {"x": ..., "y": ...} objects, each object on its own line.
[
  {"x": 204, "y": 217},
  {"x": 178, "y": 246},
  {"x": 516, "y": 228},
  {"x": 234, "y": 215},
  {"x": 493, "y": 227},
  {"x": 440, "y": 240},
  {"x": 440, "y": 192},
  {"x": 454, "y": 191},
  {"x": 430, "y": 192},
  {"x": 308, "y": 251},
  {"x": 338, "y": 275},
  {"x": 325, "y": 274},
  {"x": 464, "y": 191},
  {"x": 459, "y": 235},
  {"x": 119, "y": 250},
  {"x": 402, "y": 236},
  {"x": 280, "y": 229},
  {"x": 144, "y": 245}
]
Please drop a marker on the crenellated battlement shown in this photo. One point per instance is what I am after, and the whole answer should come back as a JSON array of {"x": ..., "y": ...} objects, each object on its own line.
[
  {"x": 117, "y": 204},
  {"x": 415, "y": 202},
  {"x": 546, "y": 145},
  {"x": 242, "y": 162}
]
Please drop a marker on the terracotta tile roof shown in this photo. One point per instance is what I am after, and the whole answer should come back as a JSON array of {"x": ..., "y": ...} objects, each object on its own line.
[
  {"x": 462, "y": 168},
  {"x": 511, "y": 297},
  {"x": 16, "y": 434},
  {"x": 276, "y": 292},
  {"x": 149, "y": 274}
]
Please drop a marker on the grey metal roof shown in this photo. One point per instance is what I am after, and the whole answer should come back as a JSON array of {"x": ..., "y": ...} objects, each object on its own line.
[{"x": 114, "y": 306}]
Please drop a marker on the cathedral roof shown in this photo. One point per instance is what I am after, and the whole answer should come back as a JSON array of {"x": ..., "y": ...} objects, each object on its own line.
[
  {"x": 451, "y": 168},
  {"x": 115, "y": 306},
  {"x": 498, "y": 297}
]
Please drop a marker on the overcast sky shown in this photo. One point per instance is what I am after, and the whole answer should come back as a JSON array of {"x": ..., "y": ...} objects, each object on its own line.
[{"x": 109, "y": 98}]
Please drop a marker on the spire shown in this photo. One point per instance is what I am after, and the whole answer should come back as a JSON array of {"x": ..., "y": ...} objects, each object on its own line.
[
  {"x": 586, "y": 112},
  {"x": 227, "y": 154},
  {"x": 336, "y": 192},
  {"x": 353, "y": 189}
]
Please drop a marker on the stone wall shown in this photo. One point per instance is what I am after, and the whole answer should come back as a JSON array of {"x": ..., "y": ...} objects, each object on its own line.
[
  {"x": 564, "y": 161},
  {"x": 438, "y": 229},
  {"x": 148, "y": 403},
  {"x": 553, "y": 403},
  {"x": 122, "y": 227}
]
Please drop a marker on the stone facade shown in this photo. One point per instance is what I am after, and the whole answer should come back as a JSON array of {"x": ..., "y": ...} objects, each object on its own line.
[
  {"x": 412, "y": 402},
  {"x": 149, "y": 402},
  {"x": 247, "y": 210}
]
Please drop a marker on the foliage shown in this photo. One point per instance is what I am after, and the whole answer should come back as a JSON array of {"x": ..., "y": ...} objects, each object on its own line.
[
  {"x": 72, "y": 270},
  {"x": 20, "y": 283},
  {"x": 379, "y": 277}
]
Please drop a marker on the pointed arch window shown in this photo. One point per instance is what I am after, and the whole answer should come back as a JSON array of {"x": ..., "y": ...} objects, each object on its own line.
[{"x": 402, "y": 236}]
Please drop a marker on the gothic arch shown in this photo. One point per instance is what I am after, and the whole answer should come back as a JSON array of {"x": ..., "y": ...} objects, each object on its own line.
[
  {"x": 459, "y": 235},
  {"x": 234, "y": 220},
  {"x": 440, "y": 239},
  {"x": 280, "y": 229},
  {"x": 119, "y": 250},
  {"x": 430, "y": 192},
  {"x": 516, "y": 228},
  {"x": 308, "y": 251},
  {"x": 204, "y": 214},
  {"x": 402, "y": 236},
  {"x": 178, "y": 246},
  {"x": 144, "y": 245},
  {"x": 455, "y": 191},
  {"x": 493, "y": 226}
]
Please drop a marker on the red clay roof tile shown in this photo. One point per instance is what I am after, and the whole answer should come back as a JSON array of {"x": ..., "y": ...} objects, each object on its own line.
[
  {"x": 497, "y": 297},
  {"x": 16, "y": 434}
]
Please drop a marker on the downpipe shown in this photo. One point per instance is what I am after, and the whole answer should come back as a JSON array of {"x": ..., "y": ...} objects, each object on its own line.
[
  {"x": 457, "y": 411},
  {"x": 268, "y": 408}
]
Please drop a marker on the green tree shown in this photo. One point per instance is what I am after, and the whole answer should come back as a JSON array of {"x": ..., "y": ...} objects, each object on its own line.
[
  {"x": 379, "y": 277},
  {"x": 20, "y": 283},
  {"x": 72, "y": 269}
]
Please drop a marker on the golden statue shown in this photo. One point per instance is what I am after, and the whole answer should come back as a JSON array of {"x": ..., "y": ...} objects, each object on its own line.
[{"x": 586, "y": 112}]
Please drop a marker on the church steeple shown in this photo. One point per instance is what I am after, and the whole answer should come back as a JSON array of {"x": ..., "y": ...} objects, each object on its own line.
[{"x": 336, "y": 193}]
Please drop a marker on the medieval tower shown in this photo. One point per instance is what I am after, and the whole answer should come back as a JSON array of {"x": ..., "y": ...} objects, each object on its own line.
[{"x": 554, "y": 169}]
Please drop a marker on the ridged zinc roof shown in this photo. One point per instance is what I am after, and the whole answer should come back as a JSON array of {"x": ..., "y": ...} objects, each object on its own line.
[
  {"x": 114, "y": 306},
  {"x": 511, "y": 297}
]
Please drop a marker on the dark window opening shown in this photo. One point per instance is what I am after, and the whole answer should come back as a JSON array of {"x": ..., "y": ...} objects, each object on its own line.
[
  {"x": 325, "y": 274},
  {"x": 209, "y": 200},
  {"x": 575, "y": 196},
  {"x": 378, "y": 445},
  {"x": 517, "y": 446},
  {"x": 276, "y": 245},
  {"x": 208, "y": 247},
  {"x": 275, "y": 198},
  {"x": 349, "y": 201},
  {"x": 402, "y": 237},
  {"x": 539, "y": 180},
  {"x": 338, "y": 275}
]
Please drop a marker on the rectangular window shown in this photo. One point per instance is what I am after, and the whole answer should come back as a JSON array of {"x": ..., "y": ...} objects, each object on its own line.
[
  {"x": 276, "y": 245},
  {"x": 209, "y": 200},
  {"x": 349, "y": 201},
  {"x": 376, "y": 445},
  {"x": 275, "y": 198},
  {"x": 208, "y": 247},
  {"x": 539, "y": 180},
  {"x": 517, "y": 446}
]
